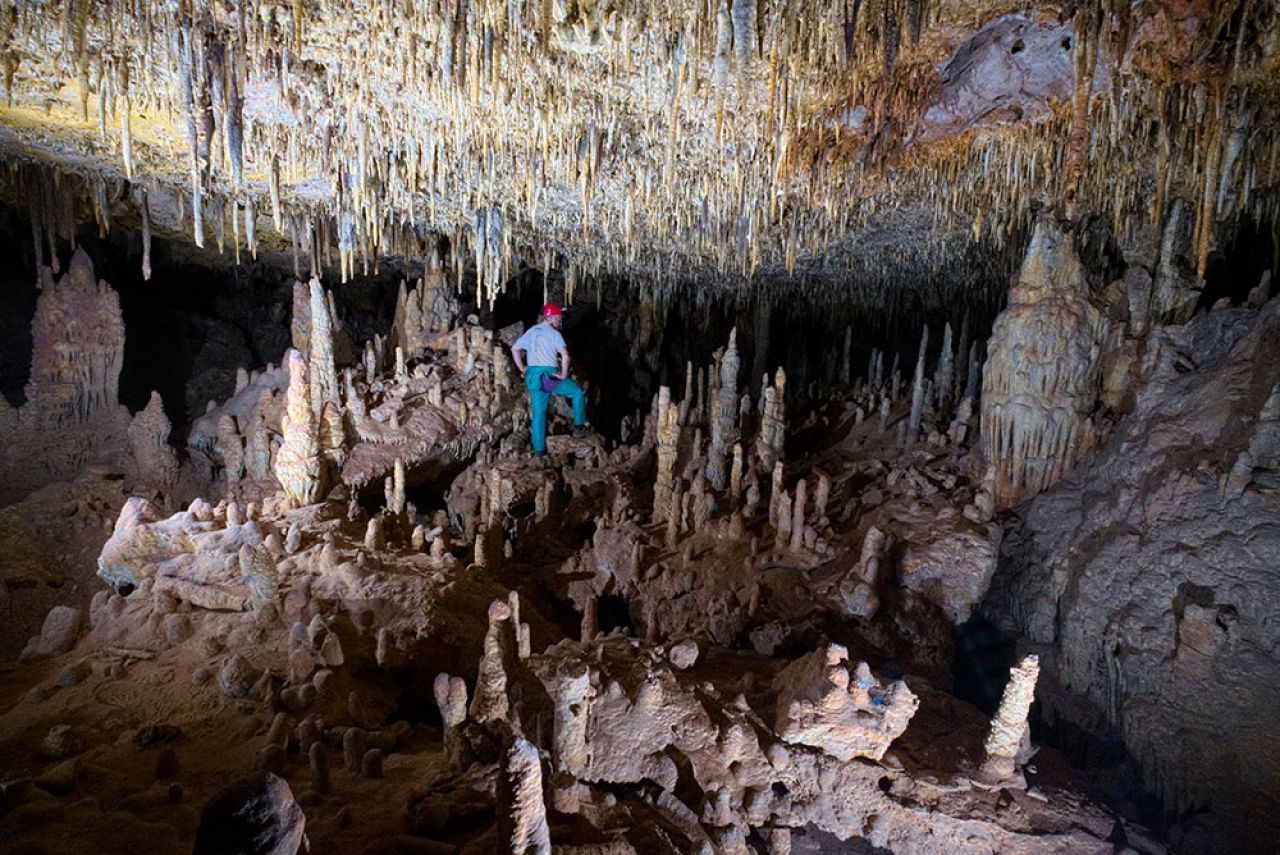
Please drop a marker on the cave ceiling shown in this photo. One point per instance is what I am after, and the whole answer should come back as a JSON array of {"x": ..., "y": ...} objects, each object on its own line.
[{"x": 844, "y": 147}]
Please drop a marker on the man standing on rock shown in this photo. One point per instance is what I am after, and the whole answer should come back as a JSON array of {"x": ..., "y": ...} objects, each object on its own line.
[{"x": 545, "y": 349}]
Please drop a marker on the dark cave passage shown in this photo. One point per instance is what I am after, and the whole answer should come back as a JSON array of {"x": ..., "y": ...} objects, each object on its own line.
[{"x": 1238, "y": 268}]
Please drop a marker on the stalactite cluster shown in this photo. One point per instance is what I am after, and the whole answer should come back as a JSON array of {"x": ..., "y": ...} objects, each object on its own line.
[{"x": 746, "y": 143}]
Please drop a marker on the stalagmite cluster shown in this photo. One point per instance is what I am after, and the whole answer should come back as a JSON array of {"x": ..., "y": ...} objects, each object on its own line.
[{"x": 71, "y": 416}]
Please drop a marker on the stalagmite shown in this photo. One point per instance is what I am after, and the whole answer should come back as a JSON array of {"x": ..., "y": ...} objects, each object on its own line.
[
  {"x": 522, "y": 817},
  {"x": 724, "y": 410},
  {"x": 783, "y": 535},
  {"x": 944, "y": 377},
  {"x": 822, "y": 496},
  {"x": 1009, "y": 727},
  {"x": 298, "y": 465},
  {"x": 398, "y": 486},
  {"x": 666, "y": 418},
  {"x": 735, "y": 476},
  {"x": 323, "y": 375},
  {"x": 775, "y": 493},
  {"x": 797, "y": 516},
  {"x": 773, "y": 426},
  {"x": 918, "y": 390},
  {"x": 490, "y": 700},
  {"x": 75, "y": 367},
  {"x": 451, "y": 698},
  {"x": 258, "y": 572},
  {"x": 148, "y": 433}
]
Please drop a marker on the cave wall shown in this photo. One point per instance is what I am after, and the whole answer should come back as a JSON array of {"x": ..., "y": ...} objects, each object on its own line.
[{"x": 1147, "y": 579}]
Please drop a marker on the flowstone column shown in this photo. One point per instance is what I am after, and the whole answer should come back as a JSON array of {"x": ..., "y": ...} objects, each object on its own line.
[{"x": 1040, "y": 384}]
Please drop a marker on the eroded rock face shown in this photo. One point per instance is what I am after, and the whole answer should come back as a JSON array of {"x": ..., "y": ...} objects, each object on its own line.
[
  {"x": 1146, "y": 577},
  {"x": 1009, "y": 71},
  {"x": 951, "y": 563}
]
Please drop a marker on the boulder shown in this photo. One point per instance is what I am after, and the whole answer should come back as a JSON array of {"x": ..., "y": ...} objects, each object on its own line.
[{"x": 253, "y": 816}]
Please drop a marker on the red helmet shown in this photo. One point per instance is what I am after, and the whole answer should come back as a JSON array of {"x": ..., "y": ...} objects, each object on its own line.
[{"x": 551, "y": 310}]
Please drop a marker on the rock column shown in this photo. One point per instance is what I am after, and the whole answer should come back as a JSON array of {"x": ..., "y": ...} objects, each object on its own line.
[{"x": 1009, "y": 727}]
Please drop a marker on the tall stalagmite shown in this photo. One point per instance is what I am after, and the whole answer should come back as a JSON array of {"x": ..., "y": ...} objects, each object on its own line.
[
  {"x": 77, "y": 349},
  {"x": 1009, "y": 727},
  {"x": 298, "y": 465},
  {"x": 522, "y": 814},
  {"x": 320, "y": 362},
  {"x": 724, "y": 415}
]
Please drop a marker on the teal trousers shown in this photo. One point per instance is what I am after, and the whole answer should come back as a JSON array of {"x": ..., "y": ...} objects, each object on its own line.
[{"x": 539, "y": 400}]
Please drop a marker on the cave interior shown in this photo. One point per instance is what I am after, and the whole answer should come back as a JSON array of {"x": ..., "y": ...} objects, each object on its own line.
[{"x": 928, "y": 496}]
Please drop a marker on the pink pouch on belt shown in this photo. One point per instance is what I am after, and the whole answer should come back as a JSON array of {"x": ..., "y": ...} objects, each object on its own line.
[{"x": 549, "y": 383}]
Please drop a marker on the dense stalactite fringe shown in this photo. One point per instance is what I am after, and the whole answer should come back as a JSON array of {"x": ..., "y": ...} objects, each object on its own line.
[{"x": 770, "y": 179}]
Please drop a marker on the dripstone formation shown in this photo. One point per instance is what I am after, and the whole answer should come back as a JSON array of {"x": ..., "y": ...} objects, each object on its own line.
[{"x": 929, "y": 498}]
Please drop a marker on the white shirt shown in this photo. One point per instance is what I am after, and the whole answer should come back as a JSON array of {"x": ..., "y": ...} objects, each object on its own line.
[{"x": 543, "y": 343}]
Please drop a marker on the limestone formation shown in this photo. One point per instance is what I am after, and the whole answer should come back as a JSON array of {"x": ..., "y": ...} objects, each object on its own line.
[
  {"x": 322, "y": 376},
  {"x": 153, "y": 459},
  {"x": 1040, "y": 384},
  {"x": 918, "y": 395},
  {"x": 77, "y": 350},
  {"x": 522, "y": 815},
  {"x": 298, "y": 464},
  {"x": 771, "y": 439},
  {"x": 490, "y": 700},
  {"x": 802, "y": 187},
  {"x": 724, "y": 413},
  {"x": 667, "y": 432},
  {"x": 1009, "y": 730},
  {"x": 71, "y": 417},
  {"x": 572, "y": 696},
  {"x": 258, "y": 572},
  {"x": 847, "y": 715}
]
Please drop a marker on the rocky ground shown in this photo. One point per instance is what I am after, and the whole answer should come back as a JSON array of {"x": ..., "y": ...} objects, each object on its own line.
[{"x": 601, "y": 651}]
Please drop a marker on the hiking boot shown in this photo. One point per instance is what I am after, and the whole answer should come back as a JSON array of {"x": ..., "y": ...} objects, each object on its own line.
[{"x": 579, "y": 431}]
